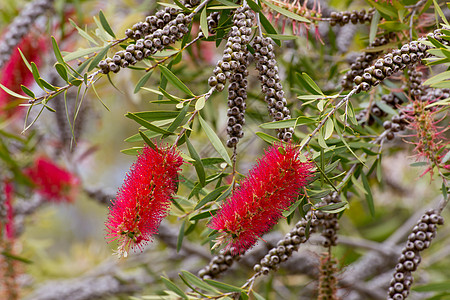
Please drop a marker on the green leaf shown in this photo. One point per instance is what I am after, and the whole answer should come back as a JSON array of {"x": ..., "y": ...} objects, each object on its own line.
[
  {"x": 253, "y": 5},
  {"x": 147, "y": 140},
  {"x": 81, "y": 53},
  {"x": 47, "y": 85},
  {"x": 437, "y": 78},
  {"x": 204, "y": 215},
  {"x": 384, "y": 10},
  {"x": 393, "y": 26},
  {"x": 204, "y": 23},
  {"x": 27, "y": 91},
  {"x": 215, "y": 141},
  {"x": 279, "y": 124},
  {"x": 25, "y": 60},
  {"x": 143, "y": 81},
  {"x": 329, "y": 127},
  {"x": 197, "y": 164},
  {"x": 180, "y": 237},
  {"x": 282, "y": 37},
  {"x": 200, "y": 103},
  {"x": 36, "y": 75},
  {"x": 268, "y": 138},
  {"x": 369, "y": 197},
  {"x": 439, "y": 11},
  {"x": 177, "y": 122},
  {"x": 98, "y": 58},
  {"x": 386, "y": 108},
  {"x": 229, "y": 3},
  {"x": 83, "y": 33},
  {"x": 419, "y": 164},
  {"x": 333, "y": 208},
  {"x": 198, "y": 282},
  {"x": 286, "y": 12},
  {"x": 226, "y": 193},
  {"x": 57, "y": 52},
  {"x": 433, "y": 287},
  {"x": 211, "y": 196},
  {"x": 311, "y": 83},
  {"x": 105, "y": 24},
  {"x": 374, "y": 26},
  {"x": 258, "y": 296},
  {"x": 223, "y": 286},
  {"x": 62, "y": 71},
  {"x": 171, "y": 286},
  {"x": 157, "y": 115},
  {"x": 147, "y": 124},
  {"x": 15, "y": 257},
  {"x": 174, "y": 80},
  {"x": 14, "y": 94}
]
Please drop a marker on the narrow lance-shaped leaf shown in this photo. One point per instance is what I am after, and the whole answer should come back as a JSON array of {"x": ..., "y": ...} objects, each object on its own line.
[
  {"x": 175, "y": 81},
  {"x": 105, "y": 24},
  {"x": 204, "y": 23},
  {"x": 173, "y": 287},
  {"x": 215, "y": 141},
  {"x": 286, "y": 12},
  {"x": 198, "y": 163}
]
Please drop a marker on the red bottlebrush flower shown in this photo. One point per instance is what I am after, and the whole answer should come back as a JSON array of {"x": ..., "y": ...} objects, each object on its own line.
[
  {"x": 428, "y": 138},
  {"x": 144, "y": 198},
  {"x": 15, "y": 72},
  {"x": 257, "y": 205},
  {"x": 53, "y": 182}
]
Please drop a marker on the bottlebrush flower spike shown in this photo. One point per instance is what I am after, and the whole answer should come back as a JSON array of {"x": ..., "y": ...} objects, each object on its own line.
[
  {"x": 53, "y": 182},
  {"x": 144, "y": 198},
  {"x": 256, "y": 206},
  {"x": 15, "y": 72}
]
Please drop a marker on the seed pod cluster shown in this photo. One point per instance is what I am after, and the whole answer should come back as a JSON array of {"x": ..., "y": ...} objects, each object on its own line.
[
  {"x": 432, "y": 94},
  {"x": 396, "y": 124},
  {"x": 329, "y": 221},
  {"x": 416, "y": 89},
  {"x": 345, "y": 17},
  {"x": 20, "y": 26},
  {"x": 271, "y": 84},
  {"x": 157, "y": 21},
  {"x": 288, "y": 245},
  {"x": 237, "y": 94},
  {"x": 235, "y": 48},
  {"x": 420, "y": 239},
  {"x": 395, "y": 61},
  {"x": 218, "y": 264},
  {"x": 213, "y": 21},
  {"x": 364, "y": 61},
  {"x": 149, "y": 45},
  {"x": 327, "y": 278}
]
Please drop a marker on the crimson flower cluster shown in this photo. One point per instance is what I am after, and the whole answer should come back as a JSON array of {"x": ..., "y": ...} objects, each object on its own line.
[
  {"x": 53, "y": 182},
  {"x": 144, "y": 198},
  {"x": 15, "y": 72},
  {"x": 256, "y": 206}
]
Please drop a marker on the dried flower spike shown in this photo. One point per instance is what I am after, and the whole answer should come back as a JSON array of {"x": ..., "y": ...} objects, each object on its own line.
[
  {"x": 257, "y": 205},
  {"x": 53, "y": 182},
  {"x": 144, "y": 198}
]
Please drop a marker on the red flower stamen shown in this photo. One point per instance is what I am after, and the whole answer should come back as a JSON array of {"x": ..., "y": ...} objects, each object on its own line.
[
  {"x": 53, "y": 182},
  {"x": 257, "y": 205},
  {"x": 144, "y": 198}
]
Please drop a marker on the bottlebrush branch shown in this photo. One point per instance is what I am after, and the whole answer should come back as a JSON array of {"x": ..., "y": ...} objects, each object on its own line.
[
  {"x": 257, "y": 205},
  {"x": 144, "y": 198}
]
